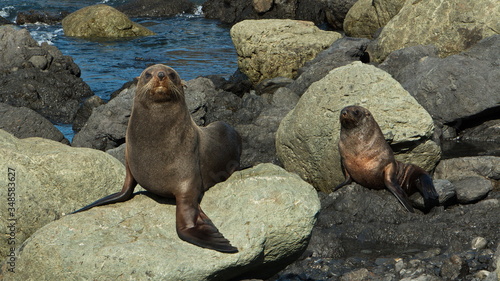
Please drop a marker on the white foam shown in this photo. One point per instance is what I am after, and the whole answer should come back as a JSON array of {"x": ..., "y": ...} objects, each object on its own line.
[{"x": 5, "y": 11}]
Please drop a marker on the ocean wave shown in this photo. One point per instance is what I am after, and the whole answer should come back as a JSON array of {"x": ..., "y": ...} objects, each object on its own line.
[
  {"x": 5, "y": 11},
  {"x": 197, "y": 13}
]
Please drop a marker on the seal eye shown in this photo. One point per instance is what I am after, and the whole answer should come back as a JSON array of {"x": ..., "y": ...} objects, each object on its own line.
[
  {"x": 148, "y": 75},
  {"x": 172, "y": 76},
  {"x": 356, "y": 112}
]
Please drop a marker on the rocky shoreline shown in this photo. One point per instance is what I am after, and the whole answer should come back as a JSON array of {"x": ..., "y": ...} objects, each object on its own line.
[{"x": 295, "y": 78}]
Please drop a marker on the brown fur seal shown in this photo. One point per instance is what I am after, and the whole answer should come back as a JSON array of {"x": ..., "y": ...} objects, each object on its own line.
[
  {"x": 170, "y": 156},
  {"x": 367, "y": 159}
]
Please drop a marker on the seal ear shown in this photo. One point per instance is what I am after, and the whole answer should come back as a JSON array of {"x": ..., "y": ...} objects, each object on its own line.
[{"x": 184, "y": 86}]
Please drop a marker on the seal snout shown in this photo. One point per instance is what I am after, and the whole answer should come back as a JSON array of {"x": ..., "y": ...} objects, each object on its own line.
[{"x": 161, "y": 75}]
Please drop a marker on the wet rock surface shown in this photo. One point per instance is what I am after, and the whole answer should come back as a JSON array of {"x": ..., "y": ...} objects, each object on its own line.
[
  {"x": 364, "y": 234},
  {"x": 156, "y": 8}
]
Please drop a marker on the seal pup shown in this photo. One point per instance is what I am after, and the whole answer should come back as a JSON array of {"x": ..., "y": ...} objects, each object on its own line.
[
  {"x": 170, "y": 156},
  {"x": 368, "y": 160}
]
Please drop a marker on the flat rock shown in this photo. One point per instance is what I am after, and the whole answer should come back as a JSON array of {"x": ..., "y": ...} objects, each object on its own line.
[
  {"x": 459, "y": 168},
  {"x": 307, "y": 138},
  {"x": 156, "y": 8},
  {"x": 49, "y": 179},
  {"x": 264, "y": 211},
  {"x": 472, "y": 189}
]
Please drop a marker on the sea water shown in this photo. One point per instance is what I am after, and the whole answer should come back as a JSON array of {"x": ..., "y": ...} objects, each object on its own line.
[{"x": 189, "y": 43}]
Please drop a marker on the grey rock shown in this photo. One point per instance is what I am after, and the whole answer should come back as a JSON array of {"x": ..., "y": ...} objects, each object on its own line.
[
  {"x": 445, "y": 190},
  {"x": 23, "y": 123},
  {"x": 107, "y": 125},
  {"x": 468, "y": 81},
  {"x": 264, "y": 211},
  {"x": 454, "y": 268},
  {"x": 49, "y": 179},
  {"x": 342, "y": 52},
  {"x": 472, "y": 189},
  {"x": 459, "y": 168},
  {"x": 306, "y": 141},
  {"x": 336, "y": 11},
  {"x": 118, "y": 153},
  {"x": 84, "y": 112},
  {"x": 478, "y": 243},
  {"x": 39, "y": 77}
]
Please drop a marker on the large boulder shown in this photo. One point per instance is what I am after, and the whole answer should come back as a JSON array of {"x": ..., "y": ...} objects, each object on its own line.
[
  {"x": 452, "y": 89},
  {"x": 366, "y": 16},
  {"x": 306, "y": 141},
  {"x": 39, "y": 77},
  {"x": 156, "y": 8},
  {"x": 48, "y": 179},
  {"x": 272, "y": 48},
  {"x": 264, "y": 211},
  {"x": 23, "y": 123},
  {"x": 336, "y": 11},
  {"x": 102, "y": 21},
  {"x": 451, "y": 25}
]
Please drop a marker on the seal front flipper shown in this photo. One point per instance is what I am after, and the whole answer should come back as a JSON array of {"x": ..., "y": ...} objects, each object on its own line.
[
  {"x": 426, "y": 187},
  {"x": 123, "y": 195},
  {"x": 392, "y": 184},
  {"x": 347, "y": 180},
  {"x": 195, "y": 227}
]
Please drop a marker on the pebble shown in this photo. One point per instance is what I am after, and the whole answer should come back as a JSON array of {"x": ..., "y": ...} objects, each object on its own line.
[{"x": 478, "y": 243}]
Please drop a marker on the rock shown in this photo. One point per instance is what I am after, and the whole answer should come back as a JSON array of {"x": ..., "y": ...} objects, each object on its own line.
[
  {"x": 445, "y": 190},
  {"x": 468, "y": 81},
  {"x": 489, "y": 131},
  {"x": 4, "y": 21},
  {"x": 39, "y": 77},
  {"x": 336, "y": 11},
  {"x": 460, "y": 168},
  {"x": 460, "y": 24},
  {"x": 366, "y": 16},
  {"x": 454, "y": 268},
  {"x": 272, "y": 48},
  {"x": 23, "y": 123},
  {"x": 48, "y": 179},
  {"x": 102, "y": 21},
  {"x": 269, "y": 86},
  {"x": 478, "y": 243},
  {"x": 83, "y": 114},
  {"x": 264, "y": 211},
  {"x": 342, "y": 52},
  {"x": 235, "y": 11},
  {"x": 118, "y": 153},
  {"x": 33, "y": 16},
  {"x": 472, "y": 189},
  {"x": 107, "y": 125},
  {"x": 156, "y": 8},
  {"x": 306, "y": 141}
]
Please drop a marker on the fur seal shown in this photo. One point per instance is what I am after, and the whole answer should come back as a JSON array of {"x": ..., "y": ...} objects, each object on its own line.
[
  {"x": 170, "y": 156},
  {"x": 368, "y": 160}
]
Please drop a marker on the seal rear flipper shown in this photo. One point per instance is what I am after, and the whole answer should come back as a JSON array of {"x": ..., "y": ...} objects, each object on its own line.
[
  {"x": 426, "y": 187},
  {"x": 201, "y": 232},
  {"x": 392, "y": 184}
]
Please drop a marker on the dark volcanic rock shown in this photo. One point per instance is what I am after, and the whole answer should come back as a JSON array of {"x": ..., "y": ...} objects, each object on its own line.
[
  {"x": 335, "y": 12},
  {"x": 340, "y": 53},
  {"x": 156, "y": 8},
  {"x": 454, "y": 89},
  {"x": 366, "y": 232},
  {"x": 235, "y": 11},
  {"x": 23, "y": 123},
  {"x": 39, "y": 77},
  {"x": 33, "y": 16},
  {"x": 4, "y": 21}
]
